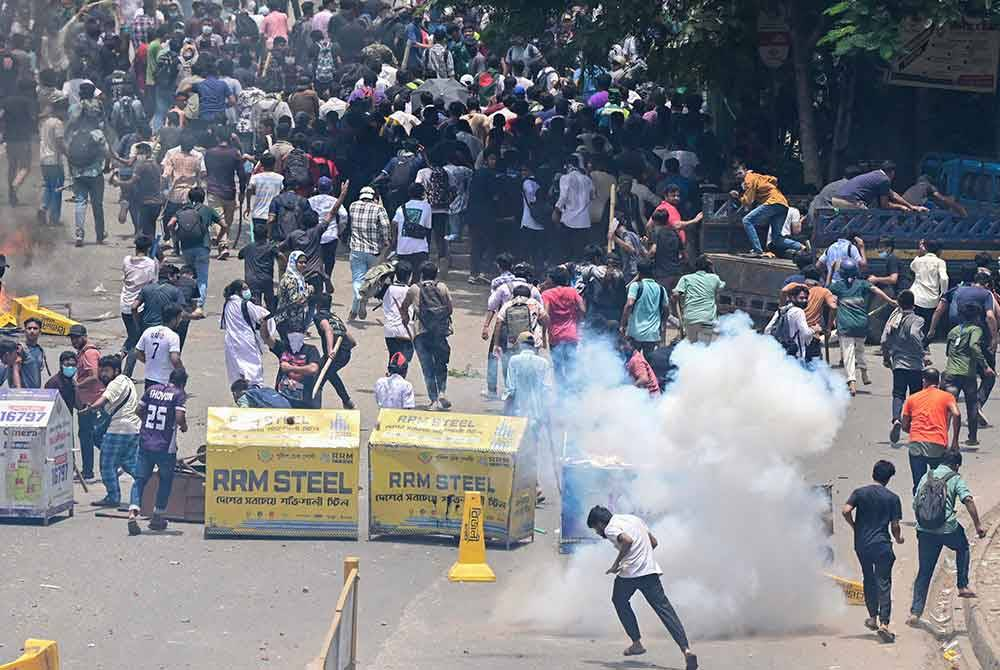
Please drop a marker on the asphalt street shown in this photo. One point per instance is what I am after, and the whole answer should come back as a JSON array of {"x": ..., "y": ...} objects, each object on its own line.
[{"x": 176, "y": 600}]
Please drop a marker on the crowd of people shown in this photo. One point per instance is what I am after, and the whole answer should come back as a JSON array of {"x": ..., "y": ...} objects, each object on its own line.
[{"x": 389, "y": 133}]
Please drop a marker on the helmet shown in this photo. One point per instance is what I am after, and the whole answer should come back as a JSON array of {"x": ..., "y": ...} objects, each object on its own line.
[{"x": 849, "y": 268}]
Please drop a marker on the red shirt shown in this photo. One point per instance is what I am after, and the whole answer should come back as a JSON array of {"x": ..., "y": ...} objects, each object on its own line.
[
  {"x": 88, "y": 385},
  {"x": 565, "y": 308},
  {"x": 638, "y": 366},
  {"x": 673, "y": 218}
]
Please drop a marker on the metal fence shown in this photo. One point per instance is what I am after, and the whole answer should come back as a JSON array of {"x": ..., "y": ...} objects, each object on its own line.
[{"x": 340, "y": 646}]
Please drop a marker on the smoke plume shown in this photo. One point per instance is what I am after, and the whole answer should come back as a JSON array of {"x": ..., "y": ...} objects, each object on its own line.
[{"x": 716, "y": 459}]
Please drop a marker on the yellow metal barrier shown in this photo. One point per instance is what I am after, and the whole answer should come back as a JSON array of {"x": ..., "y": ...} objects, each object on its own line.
[
  {"x": 38, "y": 655},
  {"x": 340, "y": 646}
]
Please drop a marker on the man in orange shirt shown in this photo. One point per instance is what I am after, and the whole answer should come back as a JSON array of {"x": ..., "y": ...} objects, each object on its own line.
[
  {"x": 926, "y": 417},
  {"x": 767, "y": 204}
]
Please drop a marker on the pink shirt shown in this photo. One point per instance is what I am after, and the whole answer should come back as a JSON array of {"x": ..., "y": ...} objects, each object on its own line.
[
  {"x": 275, "y": 25},
  {"x": 565, "y": 308},
  {"x": 638, "y": 366}
]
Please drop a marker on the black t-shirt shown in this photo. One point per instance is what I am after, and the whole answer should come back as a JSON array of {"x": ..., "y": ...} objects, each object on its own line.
[
  {"x": 893, "y": 266},
  {"x": 668, "y": 252},
  {"x": 19, "y": 120},
  {"x": 189, "y": 290},
  {"x": 875, "y": 506},
  {"x": 297, "y": 387},
  {"x": 258, "y": 263}
]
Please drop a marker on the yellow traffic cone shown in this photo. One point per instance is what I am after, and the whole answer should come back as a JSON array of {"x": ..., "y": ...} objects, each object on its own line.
[
  {"x": 471, "y": 564},
  {"x": 38, "y": 655}
]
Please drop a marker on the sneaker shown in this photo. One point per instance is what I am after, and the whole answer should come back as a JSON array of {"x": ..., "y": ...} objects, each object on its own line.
[
  {"x": 472, "y": 279},
  {"x": 886, "y": 635},
  {"x": 865, "y": 379},
  {"x": 972, "y": 443},
  {"x": 913, "y": 621},
  {"x": 362, "y": 310},
  {"x": 894, "y": 432},
  {"x": 450, "y": 238},
  {"x": 105, "y": 502},
  {"x": 352, "y": 316},
  {"x": 753, "y": 253},
  {"x": 157, "y": 522},
  {"x": 444, "y": 403},
  {"x": 349, "y": 404},
  {"x": 871, "y": 623},
  {"x": 489, "y": 395},
  {"x": 433, "y": 406},
  {"x": 133, "y": 526},
  {"x": 78, "y": 243}
]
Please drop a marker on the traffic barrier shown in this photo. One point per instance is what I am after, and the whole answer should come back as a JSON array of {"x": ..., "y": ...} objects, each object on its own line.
[
  {"x": 853, "y": 591},
  {"x": 38, "y": 655},
  {"x": 471, "y": 564},
  {"x": 340, "y": 646}
]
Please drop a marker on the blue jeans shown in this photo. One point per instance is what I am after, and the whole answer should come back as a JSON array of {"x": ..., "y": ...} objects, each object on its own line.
[
  {"x": 198, "y": 259},
  {"x": 144, "y": 462},
  {"x": 496, "y": 369},
  {"x": 563, "y": 355},
  {"x": 773, "y": 216},
  {"x": 163, "y": 99},
  {"x": 433, "y": 352},
  {"x": 361, "y": 262},
  {"x": 92, "y": 189},
  {"x": 54, "y": 178},
  {"x": 929, "y": 547}
]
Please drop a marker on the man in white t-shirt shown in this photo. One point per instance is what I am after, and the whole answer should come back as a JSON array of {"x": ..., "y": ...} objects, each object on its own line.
[
  {"x": 397, "y": 336},
  {"x": 264, "y": 187},
  {"x": 637, "y": 570},
  {"x": 159, "y": 348},
  {"x": 413, "y": 228},
  {"x": 120, "y": 442}
]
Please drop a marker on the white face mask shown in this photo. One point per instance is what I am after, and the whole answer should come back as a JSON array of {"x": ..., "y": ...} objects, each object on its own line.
[{"x": 295, "y": 341}]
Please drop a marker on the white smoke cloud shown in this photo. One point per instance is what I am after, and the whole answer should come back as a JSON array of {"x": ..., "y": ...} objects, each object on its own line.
[{"x": 716, "y": 458}]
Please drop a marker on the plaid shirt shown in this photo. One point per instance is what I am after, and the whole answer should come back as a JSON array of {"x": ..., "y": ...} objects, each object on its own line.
[
  {"x": 369, "y": 227},
  {"x": 142, "y": 25}
]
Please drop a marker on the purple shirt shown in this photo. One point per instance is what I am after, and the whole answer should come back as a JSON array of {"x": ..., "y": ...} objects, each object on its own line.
[
  {"x": 866, "y": 188},
  {"x": 158, "y": 412}
]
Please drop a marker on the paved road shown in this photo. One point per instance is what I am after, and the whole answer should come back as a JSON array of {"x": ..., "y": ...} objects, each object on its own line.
[{"x": 179, "y": 601}]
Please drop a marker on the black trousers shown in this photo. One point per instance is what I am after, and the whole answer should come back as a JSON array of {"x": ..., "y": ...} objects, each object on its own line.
[
  {"x": 876, "y": 571},
  {"x": 401, "y": 345},
  {"x": 927, "y": 313},
  {"x": 333, "y": 376},
  {"x": 904, "y": 382},
  {"x": 482, "y": 242},
  {"x": 534, "y": 247},
  {"x": 439, "y": 226},
  {"x": 986, "y": 383},
  {"x": 652, "y": 591},
  {"x": 966, "y": 386}
]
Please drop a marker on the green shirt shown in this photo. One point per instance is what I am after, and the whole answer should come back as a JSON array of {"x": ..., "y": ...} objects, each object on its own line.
[
  {"x": 965, "y": 351},
  {"x": 699, "y": 291},
  {"x": 152, "y": 51},
  {"x": 957, "y": 490},
  {"x": 852, "y": 307},
  {"x": 644, "y": 322}
]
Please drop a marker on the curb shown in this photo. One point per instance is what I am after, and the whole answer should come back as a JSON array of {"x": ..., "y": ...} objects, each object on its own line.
[{"x": 985, "y": 643}]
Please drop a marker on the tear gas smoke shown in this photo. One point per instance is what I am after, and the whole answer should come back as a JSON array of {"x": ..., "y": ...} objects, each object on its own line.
[{"x": 741, "y": 544}]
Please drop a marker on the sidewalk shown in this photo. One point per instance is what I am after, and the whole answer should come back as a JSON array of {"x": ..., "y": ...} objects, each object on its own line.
[{"x": 982, "y": 615}]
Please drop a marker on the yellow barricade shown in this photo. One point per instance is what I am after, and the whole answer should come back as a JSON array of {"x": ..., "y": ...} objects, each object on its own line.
[
  {"x": 38, "y": 655},
  {"x": 853, "y": 591}
]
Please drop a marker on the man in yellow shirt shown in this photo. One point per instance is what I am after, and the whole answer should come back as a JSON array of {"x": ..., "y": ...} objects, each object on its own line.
[{"x": 767, "y": 205}]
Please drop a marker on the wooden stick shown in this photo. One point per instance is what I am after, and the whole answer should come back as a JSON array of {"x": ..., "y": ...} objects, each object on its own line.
[
  {"x": 611, "y": 217},
  {"x": 406, "y": 57},
  {"x": 326, "y": 367}
]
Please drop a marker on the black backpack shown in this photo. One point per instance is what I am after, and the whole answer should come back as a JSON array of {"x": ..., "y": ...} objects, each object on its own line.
[
  {"x": 931, "y": 503},
  {"x": 439, "y": 189},
  {"x": 167, "y": 66},
  {"x": 83, "y": 149},
  {"x": 296, "y": 168},
  {"x": 190, "y": 226},
  {"x": 783, "y": 333},
  {"x": 403, "y": 173},
  {"x": 435, "y": 317},
  {"x": 246, "y": 27}
]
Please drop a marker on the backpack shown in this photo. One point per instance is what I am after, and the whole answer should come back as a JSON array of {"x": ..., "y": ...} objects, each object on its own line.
[
  {"x": 296, "y": 168},
  {"x": 264, "y": 108},
  {"x": 116, "y": 85},
  {"x": 931, "y": 503},
  {"x": 782, "y": 332},
  {"x": 289, "y": 219},
  {"x": 434, "y": 315},
  {"x": 190, "y": 226},
  {"x": 167, "y": 65},
  {"x": 83, "y": 149},
  {"x": 125, "y": 115},
  {"x": 246, "y": 27},
  {"x": 245, "y": 103},
  {"x": 325, "y": 64},
  {"x": 517, "y": 321},
  {"x": 542, "y": 78},
  {"x": 508, "y": 197},
  {"x": 262, "y": 396},
  {"x": 439, "y": 190},
  {"x": 541, "y": 209},
  {"x": 402, "y": 173}
]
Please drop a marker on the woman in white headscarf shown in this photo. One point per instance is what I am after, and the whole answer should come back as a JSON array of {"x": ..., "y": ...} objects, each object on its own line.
[{"x": 293, "y": 296}]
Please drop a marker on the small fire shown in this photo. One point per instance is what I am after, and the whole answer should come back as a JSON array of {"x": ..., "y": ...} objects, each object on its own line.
[{"x": 18, "y": 242}]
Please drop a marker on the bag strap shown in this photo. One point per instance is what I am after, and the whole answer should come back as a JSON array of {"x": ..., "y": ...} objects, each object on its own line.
[{"x": 124, "y": 401}]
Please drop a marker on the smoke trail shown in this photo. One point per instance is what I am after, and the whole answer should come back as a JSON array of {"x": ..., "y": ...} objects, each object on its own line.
[{"x": 717, "y": 480}]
